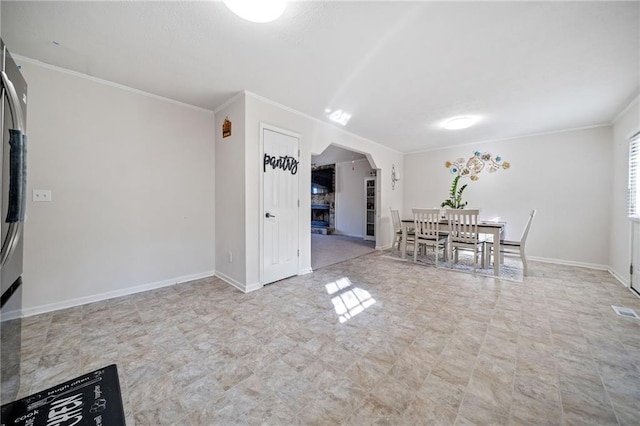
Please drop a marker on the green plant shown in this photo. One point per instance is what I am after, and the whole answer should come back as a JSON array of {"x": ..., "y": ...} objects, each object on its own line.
[{"x": 455, "y": 195}]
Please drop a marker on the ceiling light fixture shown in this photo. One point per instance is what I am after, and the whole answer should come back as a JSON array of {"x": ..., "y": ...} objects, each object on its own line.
[
  {"x": 462, "y": 122},
  {"x": 260, "y": 11},
  {"x": 338, "y": 116}
]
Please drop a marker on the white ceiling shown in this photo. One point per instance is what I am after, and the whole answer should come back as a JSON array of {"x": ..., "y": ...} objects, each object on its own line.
[{"x": 399, "y": 67}]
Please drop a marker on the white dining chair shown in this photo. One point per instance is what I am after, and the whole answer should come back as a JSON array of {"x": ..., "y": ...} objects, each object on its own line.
[
  {"x": 463, "y": 234},
  {"x": 427, "y": 233},
  {"x": 397, "y": 229},
  {"x": 514, "y": 248}
]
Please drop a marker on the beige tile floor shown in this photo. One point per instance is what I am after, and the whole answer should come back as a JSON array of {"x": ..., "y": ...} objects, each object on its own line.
[{"x": 367, "y": 341}]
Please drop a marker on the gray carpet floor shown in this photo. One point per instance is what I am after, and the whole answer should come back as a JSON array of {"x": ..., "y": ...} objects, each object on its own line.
[{"x": 331, "y": 249}]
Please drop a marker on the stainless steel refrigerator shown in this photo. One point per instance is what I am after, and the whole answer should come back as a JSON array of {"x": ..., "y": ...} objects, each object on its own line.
[{"x": 12, "y": 209}]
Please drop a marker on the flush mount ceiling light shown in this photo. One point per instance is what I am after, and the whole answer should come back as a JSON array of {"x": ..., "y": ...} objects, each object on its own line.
[
  {"x": 260, "y": 11},
  {"x": 338, "y": 116},
  {"x": 462, "y": 122}
]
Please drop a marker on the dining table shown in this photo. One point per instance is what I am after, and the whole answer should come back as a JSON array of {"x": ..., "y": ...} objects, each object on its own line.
[{"x": 496, "y": 229}]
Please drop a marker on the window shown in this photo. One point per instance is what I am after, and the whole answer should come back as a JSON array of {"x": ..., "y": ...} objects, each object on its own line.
[{"x": 634, "y": 176}]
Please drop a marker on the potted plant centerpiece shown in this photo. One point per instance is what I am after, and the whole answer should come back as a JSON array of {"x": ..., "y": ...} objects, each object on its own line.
[{"x": 455, "y": 196}]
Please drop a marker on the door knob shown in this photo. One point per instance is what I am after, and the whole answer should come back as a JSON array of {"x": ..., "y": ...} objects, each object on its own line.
[{"x": 269, "y": 215}]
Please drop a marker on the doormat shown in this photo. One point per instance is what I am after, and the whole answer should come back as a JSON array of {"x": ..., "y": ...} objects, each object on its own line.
[{"x": 93, "y": 399}]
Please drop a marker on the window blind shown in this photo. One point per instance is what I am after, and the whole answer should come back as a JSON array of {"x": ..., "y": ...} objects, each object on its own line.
[{"x": 634, "y": 174}]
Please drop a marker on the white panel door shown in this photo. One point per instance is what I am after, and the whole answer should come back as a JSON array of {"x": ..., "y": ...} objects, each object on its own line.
[{"x": 280, "y": 206}]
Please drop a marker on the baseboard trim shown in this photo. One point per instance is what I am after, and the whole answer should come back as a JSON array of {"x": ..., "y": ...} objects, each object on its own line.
[
  {"x": 384, "y": 247},
  {"x": 619, "y": 278},
  {"x": 253, "y": 287},
  {"x": 11, "y": 315},
  {"x": 249, "y": 287},
  {"x": 345, "y": 234},
  {"x": 625, "y": 283},
  {"x": 232, "y": 282},
  {"x": 42, "y": 309},
  {"x": 595, "y": 266},
  {"x": 569, "y": 263}
]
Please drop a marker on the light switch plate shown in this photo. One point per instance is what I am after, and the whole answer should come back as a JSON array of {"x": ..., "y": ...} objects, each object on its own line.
[{"x": 41, "y": 195}]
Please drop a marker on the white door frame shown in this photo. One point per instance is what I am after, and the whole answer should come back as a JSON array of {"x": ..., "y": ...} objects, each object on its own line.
[
  {"x": 634, "y": 242},
  {"x": 263, "y": 127},
  {"x": 634, "y": 234}
]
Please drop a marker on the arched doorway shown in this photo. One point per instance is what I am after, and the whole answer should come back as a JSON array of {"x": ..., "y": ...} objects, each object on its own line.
[{"x": 343, "y": 217}]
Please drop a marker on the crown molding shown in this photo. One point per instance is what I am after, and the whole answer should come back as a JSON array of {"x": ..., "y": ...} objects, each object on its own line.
[
  {"x": 228, "y": 102},
  {"x": 626, "y": 109},
  {"x": 530, "y": 135},
  {"x": 20, "y": 58}
]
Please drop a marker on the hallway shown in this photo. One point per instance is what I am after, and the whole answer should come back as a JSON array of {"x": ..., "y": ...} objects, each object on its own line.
[{"x": 330, "y": 249}]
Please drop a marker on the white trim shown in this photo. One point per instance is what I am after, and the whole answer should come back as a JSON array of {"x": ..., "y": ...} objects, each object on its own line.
[
  {"x": 385, "y": 247},
  {"x": 317, "y": 120},
  {"x": 633, "y": 133},
  {"x": 596, "y": 266},
  {"x": 261, "y": 127},
  {"x": 228, "y": 102},
  {"x": 618, "y": 277},
  {"x": 227, "y": 279},
  {"x": 531, "y": 135},
  {"x": 277, "y": 129},
  {"x": 626, "y": 109},
  {"x": 306, "y": 271},
  {"x": 15, "y": 314},
  {"x": 253, "y": 287},
  {"x": 27, "y": 312},
  {"x": 344, "y": 234},
  {"x": 11, "y": 315},
  {"x": 21, "y": 58}
]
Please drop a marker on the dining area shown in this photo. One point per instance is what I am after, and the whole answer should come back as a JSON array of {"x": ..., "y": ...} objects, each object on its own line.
[{"x": 444, "y": 234}]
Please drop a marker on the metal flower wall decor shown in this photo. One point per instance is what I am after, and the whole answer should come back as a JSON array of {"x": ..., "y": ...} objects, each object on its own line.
[
  {"x": 474, "y": 165},
  {"x": 470, "y": 168}
]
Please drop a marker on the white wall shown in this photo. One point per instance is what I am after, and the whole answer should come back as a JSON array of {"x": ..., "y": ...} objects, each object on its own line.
[
  {"x": 350, "y": 197},
  {"x": 566, "y": 176},
  {"x": 334, "y": 154},
  {"x": 132, "y": 185},
  {"x": 315, "y": 137},
  {"x": 230, "y": 194},
  {"x": 619, "y": 255}
]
